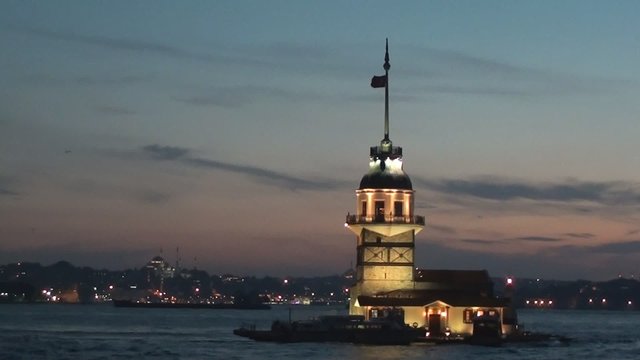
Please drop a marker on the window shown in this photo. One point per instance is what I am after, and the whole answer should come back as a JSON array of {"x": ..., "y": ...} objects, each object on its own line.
[
  {"x": 467, "y": 316},
  {"x": 397, "y": 208},
  {"x": 363, "y": 211},
  {"x": 379, "y": 211}
]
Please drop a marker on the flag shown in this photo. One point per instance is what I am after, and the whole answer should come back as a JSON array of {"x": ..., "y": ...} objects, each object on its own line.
[{"x": 379, "y": 81}]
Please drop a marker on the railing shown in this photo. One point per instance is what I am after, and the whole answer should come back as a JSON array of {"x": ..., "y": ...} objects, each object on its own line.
[
  {"x": 394, "y": 151},
  {"x": 384, "y": 219}
]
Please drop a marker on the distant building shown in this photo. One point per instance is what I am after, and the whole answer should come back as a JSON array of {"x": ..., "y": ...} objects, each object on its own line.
[
  {"x": 386, "y": 280},
  {"x": 159, "y": 267}
]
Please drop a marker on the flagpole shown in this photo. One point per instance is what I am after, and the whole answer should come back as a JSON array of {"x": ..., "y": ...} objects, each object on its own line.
[{"x": 387, "y": 66}]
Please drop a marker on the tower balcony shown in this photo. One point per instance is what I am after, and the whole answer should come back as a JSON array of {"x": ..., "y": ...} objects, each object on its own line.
[
  {"x": 384, "y": 219},
  {"x": 386, "y": 225}
]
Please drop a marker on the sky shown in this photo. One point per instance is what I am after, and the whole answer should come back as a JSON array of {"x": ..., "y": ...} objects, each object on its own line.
[{"x": 237, "y": 131}]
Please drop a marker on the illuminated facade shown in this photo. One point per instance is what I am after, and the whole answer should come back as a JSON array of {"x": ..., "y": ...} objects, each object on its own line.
[{"x": 386, "y": 280}]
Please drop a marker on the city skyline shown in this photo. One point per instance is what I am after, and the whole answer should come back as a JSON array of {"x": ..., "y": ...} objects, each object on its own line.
[{"x": 238, "y": 132}]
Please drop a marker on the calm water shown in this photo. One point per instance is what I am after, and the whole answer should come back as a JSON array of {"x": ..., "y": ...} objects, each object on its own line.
[{"x": 105, "y": 332}]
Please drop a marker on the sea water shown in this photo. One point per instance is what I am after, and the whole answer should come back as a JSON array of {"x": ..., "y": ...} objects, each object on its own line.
[{"x": 54, "y": 331}]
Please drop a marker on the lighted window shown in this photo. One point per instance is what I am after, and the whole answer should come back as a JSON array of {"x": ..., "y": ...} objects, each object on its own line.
[{"x": 467, "y": 316}]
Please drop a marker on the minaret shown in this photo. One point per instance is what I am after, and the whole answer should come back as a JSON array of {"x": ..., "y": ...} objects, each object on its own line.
[{"x": 384, "y": 223}]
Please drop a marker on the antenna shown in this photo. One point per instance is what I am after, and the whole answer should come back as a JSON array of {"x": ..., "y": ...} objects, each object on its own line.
[{"x": 386, "y": 66}]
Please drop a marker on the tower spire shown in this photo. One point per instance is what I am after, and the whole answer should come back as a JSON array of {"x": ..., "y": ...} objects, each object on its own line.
[
  {"x": 383, "y": 81},
  {"x": 386, "y": 66}
]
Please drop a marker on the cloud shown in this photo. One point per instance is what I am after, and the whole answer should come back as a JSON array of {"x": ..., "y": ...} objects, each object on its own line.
[
  {"x": 120, "y": 44},
  {"x": 461, "y": 73},
  {"x": 166, "y": 152},
  {"x": 236, "y": 96},
  {"x": 474, "y": 90},
  {"x": 117, "y": 80},
  {"x": 442, "y": 229},
  {"x": 580, "y": 235},
  {"x": 107, "y": 188},
  {"x": 538, "y": 239},
  {"x": 252, "y": 56},
  {"x": 114, "y": 110},
  {"x": 6, "y": 183},
  {"x": 624, "y": 247},
  {"x": 259, "y": 174},
  {"x": 460, "y": 60},
  {"x": 481, "y": 241},
  {"x": 491, "y": 188},
  {"x": 556, "y": 262},
  {"x": 153, "y": 197},
  {"x": 7, "y": 192},
  {"x": 114, "y": 80},
  {"x": 498, "y": 78}
]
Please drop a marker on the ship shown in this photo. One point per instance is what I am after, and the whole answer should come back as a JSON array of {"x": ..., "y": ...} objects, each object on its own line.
[
  {"x": 335, "y": 328},
  {"x": 187, "y": 305}
]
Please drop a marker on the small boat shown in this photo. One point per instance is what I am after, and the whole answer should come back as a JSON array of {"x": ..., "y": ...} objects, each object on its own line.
[
  {"x": 350, "y": 328},
  {"x": 169, "y": 305},
  {"x": 487, "y": 331}
]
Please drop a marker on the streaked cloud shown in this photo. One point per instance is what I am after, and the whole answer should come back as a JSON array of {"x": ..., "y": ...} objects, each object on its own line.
[
  {"x": 481, "y": 241},
  {"x": 114, "y": 110},
  {"x": 113, "y": 43},
  {"x": 105, "y": 188},
  {"x": 551, "y": 261},
  {"x": 457, "y": 72},
  {"x": 261, "y": 56},
  {"x": 153, "y": 197},
  {"x": 474, "y": 90},
  {"x": 258, "y": 174},
  {"x": 624, "y": 247},
  {"x": 580, "y": 235},
  {"x": 492, "y": 188},
  {"x": 7, "y": 192},
  {"x": 462, "y": 60},
  {"x": 7, "y": 184},
  {"x": 538, "y": 239},
  {"x": 442, "y": 229},
  {"x": 160, "y": 152},
  {"x": 236, "y": 96}
]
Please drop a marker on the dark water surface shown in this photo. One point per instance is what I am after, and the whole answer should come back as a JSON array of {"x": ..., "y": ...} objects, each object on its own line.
[{"x": 45, "y": 331}]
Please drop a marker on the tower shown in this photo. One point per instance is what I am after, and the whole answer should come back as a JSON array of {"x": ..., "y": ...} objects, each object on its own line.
[{"x": 384, "y": 223}]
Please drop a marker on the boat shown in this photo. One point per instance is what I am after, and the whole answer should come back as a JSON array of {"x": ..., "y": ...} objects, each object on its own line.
[
  {"x": 186, "y": 305},
  {"x": 487, "y": 331},
  {"x": 347, "y": 329}
]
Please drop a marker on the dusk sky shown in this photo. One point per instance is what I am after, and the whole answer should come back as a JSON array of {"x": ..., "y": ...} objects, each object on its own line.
[{"x": 239, "y": 130}]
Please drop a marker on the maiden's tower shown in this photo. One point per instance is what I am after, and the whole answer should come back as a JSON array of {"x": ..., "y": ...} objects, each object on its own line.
[{"x": 387, "y": 281}]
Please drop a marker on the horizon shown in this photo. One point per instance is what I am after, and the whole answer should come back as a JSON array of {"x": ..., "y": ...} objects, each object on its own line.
[
  {"x": 238, "y": 132},
  {"x": 294, "y": 276}
]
